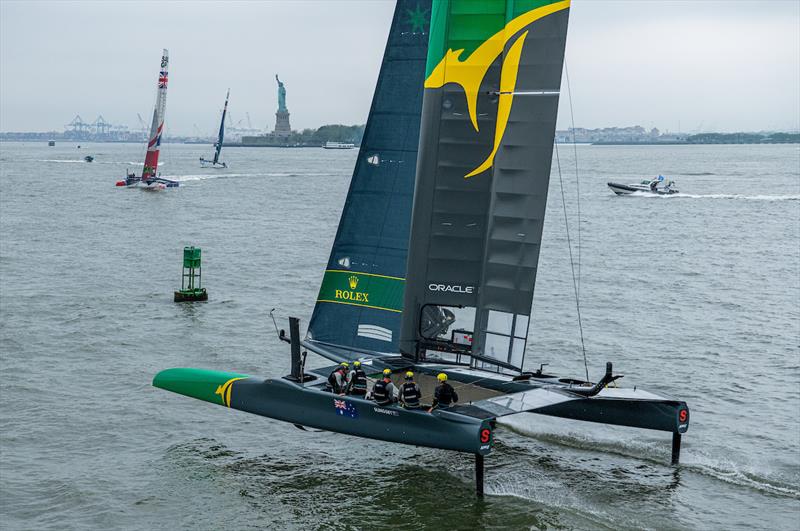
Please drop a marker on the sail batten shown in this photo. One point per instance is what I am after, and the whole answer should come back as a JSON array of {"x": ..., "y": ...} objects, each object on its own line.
[{"x": 492, "y": 84}]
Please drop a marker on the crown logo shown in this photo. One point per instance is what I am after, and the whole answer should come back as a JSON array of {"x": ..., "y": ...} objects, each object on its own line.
[{"x": 353, "y": 280}]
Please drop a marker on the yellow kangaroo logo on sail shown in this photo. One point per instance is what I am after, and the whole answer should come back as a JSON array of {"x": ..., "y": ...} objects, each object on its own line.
[
  {"x": 224, "y": 391},
  {"x": 470, "y": 72}
]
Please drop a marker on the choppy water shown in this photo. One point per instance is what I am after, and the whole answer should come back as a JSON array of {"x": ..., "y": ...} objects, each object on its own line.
[{"x": 695, "y": 295}]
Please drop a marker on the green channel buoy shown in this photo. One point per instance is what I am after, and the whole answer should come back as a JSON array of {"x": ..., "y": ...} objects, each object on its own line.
[{"x": 191, "y": 288}]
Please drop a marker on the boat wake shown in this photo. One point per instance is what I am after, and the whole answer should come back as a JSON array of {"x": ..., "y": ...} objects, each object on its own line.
[
  {"x": 208, "y": 176},
  {"x": 654, "y": 451},
  {"x": 735, "y": 474},
  {"x": 744, "y": 197},
  {"x": 82, "y": 161},
  {"x": 551, "y": 493}
]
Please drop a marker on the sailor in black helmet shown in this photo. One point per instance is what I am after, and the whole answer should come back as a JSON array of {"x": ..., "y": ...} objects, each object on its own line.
[
  {"x": 357, "y": 381},
  {"x": 337, "y": 381},
  {"x": 445, "y": 395},
  {"x": 383, "y": 392},
  {"x": 410, "y": 393}
]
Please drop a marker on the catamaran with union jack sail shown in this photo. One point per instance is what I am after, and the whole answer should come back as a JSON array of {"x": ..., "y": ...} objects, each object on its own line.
[
  {"x": 149, "y": 178},
  {"x": 434, "y": 263}
]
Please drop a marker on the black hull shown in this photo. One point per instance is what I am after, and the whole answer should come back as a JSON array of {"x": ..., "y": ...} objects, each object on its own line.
[
  {"x": 652, "y": 415},
  {"x": 463, "y": 428},
  {"x": 211, "y": 164},
  {"x": 289, "y": 401}
]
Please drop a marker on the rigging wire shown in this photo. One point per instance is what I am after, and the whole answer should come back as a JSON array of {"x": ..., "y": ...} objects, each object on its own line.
[
  {"x": 577, "y": 179},
  {"x": 572, "y": 263}
]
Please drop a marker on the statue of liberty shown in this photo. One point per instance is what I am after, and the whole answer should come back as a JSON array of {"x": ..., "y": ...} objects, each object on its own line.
[{"x": 281, "y": 95}]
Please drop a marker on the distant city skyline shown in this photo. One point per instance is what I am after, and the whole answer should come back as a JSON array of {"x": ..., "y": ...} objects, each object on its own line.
[{"x": 678, "y": 66}]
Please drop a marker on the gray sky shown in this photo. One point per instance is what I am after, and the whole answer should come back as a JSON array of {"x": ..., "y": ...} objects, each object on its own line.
[{"x": 725, "y": 66}]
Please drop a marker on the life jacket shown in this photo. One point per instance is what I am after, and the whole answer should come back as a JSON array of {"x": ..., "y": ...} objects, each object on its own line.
[
  {"x": 359, "y": 381},
  {"x": 411, "y": 395},
  {"x": 380, "y": 392},
  {"x": 445, "y": 394},
  {"x": 332, "y": 381}
]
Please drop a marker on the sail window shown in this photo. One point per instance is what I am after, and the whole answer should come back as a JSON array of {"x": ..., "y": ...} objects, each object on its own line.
[
  {"x": 450, "y": 327},
  {"x": 521, "y": 326},
  {"x": 448, "y": 324},
  {"x": 497, "y": 347},
  {"x": 501, "y": 344},
  {"x": 500, "y": 322},
  {"x": 517, "y": 352}
]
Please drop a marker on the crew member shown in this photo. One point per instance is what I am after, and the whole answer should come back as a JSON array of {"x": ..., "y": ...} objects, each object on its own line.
[
  {"x": 384, "y": 391},
  {"x": 410, "y": 393},
  {"x": 337, "y": 381},
  {"x": 653, "y": 185},
  {"x": 357, "y": 381},
  {"x": 445, "y": 395}
]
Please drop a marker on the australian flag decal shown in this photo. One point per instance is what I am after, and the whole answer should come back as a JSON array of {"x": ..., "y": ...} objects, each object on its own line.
[{"x": 345, "y": 408}]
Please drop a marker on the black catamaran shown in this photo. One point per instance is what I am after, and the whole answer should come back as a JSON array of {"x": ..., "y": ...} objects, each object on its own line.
[
  {"x": 435, "y": 258},
  {"x": 215, "y": 163}
]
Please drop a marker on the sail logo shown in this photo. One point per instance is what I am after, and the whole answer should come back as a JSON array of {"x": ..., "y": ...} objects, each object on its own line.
[
  {"x": 452, "y": 288},
  {"x": 352, "y": 295},
  {"x": 371, "y": 290},
  {"x": 470, "y": 72},
  {"x": 224, "y": 391}
]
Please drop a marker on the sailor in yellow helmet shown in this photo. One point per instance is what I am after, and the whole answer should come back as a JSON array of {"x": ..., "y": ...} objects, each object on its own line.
[
  {"x": 384, "y": 392},
  {"x": 410, "y": 393},
  {"x": 444, "y": 395},
  {"x": 337, "y": 381},
  {"x": 357, "y": 380}
]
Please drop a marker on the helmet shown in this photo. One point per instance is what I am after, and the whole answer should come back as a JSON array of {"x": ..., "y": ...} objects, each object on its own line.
[
  {"x": 442, "y": 377},
  {"x": 356, "y": 364},
  {"x": 345, "y": 365},
  {"x": 387, "y": 372},
  {"x": 409, "y": 375}
]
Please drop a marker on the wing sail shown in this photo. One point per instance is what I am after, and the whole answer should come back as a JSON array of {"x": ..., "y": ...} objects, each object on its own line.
[
  {"x": 157, "y": 126},
  {"x": 492, "y": 83},
  {"x": 361, "y": 296},
  {"x": 221, "y": 135}
]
